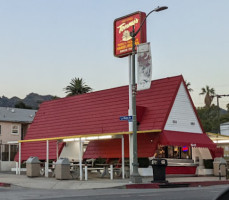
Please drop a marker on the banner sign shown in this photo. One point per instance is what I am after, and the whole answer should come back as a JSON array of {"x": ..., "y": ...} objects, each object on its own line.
[
  {"x": 144, "y": 66},
  {"x": 122, "y": 28}
]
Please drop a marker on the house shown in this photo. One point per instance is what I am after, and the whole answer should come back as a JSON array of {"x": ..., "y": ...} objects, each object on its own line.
[
  {"x": 14, "y": 123},
  {"x": 168, "y": 126},
  {"x": 224, "y": 128},
  {"x": 222, "y": 139}
]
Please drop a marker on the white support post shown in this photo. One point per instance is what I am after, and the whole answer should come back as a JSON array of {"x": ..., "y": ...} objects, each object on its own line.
[
  {"x": 57, "y": 150},
  {"x": 111, "y": 172},
  {"x": 16, "y": 168},
  {"x": 130, "y": 114},
  {"x": 19, "y": 159},
  {"x": 86, "y": 174},
  {"x": 80, "y": 159},
  {"x": 47, "y": 159},
  {"x": 123, "y": 159},
  {"x": 9, "y": 152},
  {"x": 1, "y": 151}
]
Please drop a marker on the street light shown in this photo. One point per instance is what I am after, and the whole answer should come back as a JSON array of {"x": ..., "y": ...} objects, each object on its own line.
[{"x": 135, "y": 177}]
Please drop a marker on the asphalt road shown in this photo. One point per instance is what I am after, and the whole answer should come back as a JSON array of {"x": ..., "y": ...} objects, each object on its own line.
[{"x": 198, "y": 193}]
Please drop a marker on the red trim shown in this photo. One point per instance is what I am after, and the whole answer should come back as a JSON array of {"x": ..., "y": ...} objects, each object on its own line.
[{"x": 180, "y": 170}]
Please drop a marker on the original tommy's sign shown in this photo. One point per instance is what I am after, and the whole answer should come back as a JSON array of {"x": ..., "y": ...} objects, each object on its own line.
[{"x": 122, "y": 28}]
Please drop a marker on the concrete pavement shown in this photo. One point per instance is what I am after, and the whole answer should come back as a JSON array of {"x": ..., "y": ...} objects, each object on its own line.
[{"x": 94, "y": 183}]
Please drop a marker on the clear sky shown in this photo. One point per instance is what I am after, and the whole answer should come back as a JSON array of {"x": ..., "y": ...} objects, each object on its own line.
[{"x": 46, "y": 43}]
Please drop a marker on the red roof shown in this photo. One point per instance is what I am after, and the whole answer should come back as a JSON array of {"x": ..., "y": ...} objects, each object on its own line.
[{"x": 99, "y": 112}]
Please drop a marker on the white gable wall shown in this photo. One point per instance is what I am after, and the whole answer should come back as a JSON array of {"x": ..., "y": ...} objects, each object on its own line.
[{"x": 182, "y": 116}]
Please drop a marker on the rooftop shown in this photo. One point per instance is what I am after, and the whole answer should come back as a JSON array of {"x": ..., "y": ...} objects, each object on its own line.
[{"x": 16, "y": 115}]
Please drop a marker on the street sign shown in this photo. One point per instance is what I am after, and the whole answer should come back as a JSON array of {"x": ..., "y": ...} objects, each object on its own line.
[{"x": 126, "y": 118}]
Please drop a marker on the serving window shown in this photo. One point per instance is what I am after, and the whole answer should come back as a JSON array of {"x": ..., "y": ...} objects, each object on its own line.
[{"x": 174, "y": 152}]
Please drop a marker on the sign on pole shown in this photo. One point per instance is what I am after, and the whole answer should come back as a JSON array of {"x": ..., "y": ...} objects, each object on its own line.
[
  {"x": 122, "y": 28},
  {"x": 144, "y": 66},
  {"x": 126, "y": 118}
]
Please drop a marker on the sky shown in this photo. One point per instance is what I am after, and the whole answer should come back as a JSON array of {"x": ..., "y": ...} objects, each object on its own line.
[{"x": 46, "y": 43}]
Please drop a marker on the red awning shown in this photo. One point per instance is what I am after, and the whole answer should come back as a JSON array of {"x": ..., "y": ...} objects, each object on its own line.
[
  {"x": 112, "y": 148},
  {"x": 175, "y": 138}
]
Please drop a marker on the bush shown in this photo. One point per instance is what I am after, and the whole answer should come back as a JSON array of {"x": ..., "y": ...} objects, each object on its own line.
[
  {"x": 143, "y": 162},
  {"x": 208, "y": 163}
]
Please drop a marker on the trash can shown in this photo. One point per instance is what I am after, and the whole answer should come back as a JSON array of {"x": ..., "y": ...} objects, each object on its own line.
[
  {"x": 62, "y": 169},
  {"x": 159, "y": 166},
  {"x": 33, "y": 166},
  {"x": 219, "y": 166}
]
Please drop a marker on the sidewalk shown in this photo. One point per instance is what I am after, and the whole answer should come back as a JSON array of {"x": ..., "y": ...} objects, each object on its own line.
[{"x": 52, "y": 183}]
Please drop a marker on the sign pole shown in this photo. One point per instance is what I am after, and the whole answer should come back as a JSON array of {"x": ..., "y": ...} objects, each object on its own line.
[
  {"x": 130, "y": 123},
  {"x": 135, "y": 177}
]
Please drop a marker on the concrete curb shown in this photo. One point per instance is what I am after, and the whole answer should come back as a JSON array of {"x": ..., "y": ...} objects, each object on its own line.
[
  {"x": 175, "y": 185},
  {"x": 5, "y": 184}
]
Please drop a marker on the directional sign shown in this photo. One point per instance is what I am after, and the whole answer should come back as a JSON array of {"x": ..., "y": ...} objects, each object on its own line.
[{"x": 126, "y": 118}]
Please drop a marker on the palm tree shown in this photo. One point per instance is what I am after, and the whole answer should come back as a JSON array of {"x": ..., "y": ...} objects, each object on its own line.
[
  {"x": 188, "y": 84},
  {"x": 77, "y": 86},
  {"x": 209, "y": 95}
]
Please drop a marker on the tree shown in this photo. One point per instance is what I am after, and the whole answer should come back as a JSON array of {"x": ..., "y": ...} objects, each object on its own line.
[
  {"x": 188, "y": 84},
  {"x": 22, "y": 105},
  {"x": 209, "y": 118},
  {"x": 209, "y": 95},
  {"x": 77, "y": 86},
  {"x": 227, "y": 107}
]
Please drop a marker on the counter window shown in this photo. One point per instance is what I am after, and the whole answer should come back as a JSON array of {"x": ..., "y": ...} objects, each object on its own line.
[{"x": 174, "y": 152}]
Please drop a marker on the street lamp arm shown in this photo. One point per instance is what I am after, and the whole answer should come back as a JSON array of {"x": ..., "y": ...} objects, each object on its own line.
[
  {"x": 143, "y": 22},
  {"x": 154, "y": 10}
]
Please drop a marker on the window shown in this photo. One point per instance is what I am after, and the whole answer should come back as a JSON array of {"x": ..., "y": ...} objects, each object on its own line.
[
  {"x": 174, "y": 152},
  {"x": 15, "y": 129}
]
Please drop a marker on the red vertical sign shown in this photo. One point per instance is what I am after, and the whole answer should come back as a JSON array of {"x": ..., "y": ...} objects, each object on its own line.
[{"x": 122, "y": 28}]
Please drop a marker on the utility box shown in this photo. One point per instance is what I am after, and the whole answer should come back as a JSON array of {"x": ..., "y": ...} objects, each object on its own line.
[
  {"x": 62, "y": 169},
  {"x": 33, "y": 167},
  {"x": 219, "y": 166}
]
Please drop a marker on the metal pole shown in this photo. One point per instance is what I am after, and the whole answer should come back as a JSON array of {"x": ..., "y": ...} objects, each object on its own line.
[
  {"x": 111, "y": 172},
  {"x": 1, "y": 151},
  {"x": 123, "y": 159},
  {"x": 218, "y": 96},
  {"x": 57, "y": 150},
  {"x": 9, "y": 152},
  {"x": 47, "y": 159},
  {"x": 86, "y": 176},
  {"x": 130, "y": 114},
  {"x": 135, "y": 177},
  {"x": 80, "y": 159},
  {"x": 19, "y": 159}
]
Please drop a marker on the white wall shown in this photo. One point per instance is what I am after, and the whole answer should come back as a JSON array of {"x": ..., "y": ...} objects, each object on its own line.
[
  {"x": 71, "y": 151},
  {"x": 201, "y": 153},
  {"x": 182, "y": 116},
  {"x": 224, "y": 129},
  {"x": 7, "y": 165}
]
